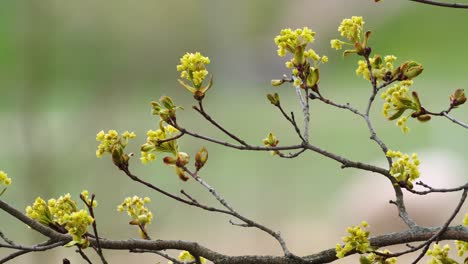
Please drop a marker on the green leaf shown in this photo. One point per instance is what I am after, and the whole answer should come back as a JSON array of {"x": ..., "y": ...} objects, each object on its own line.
[{"x": 397, "y": 114}]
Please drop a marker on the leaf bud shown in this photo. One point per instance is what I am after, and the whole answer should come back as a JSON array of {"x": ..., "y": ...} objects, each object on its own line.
[
  {"x": 277, "y": 82},
  {"x": 457, "y": 98},
  {"x": 274, "y": 99},
  {"x": 200, "y": 158}
]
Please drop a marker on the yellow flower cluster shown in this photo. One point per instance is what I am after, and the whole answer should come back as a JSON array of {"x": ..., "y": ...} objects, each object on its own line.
[
  {"x": 111, "y": 140},
  {"x": 304, "y": 63},
  {"x": 4, "y": 180},
  {"x": 186, "y": 257},
  {"x": 62, "y": 212},
  {"x": 381, "y": 69},
  {"x": 373, "y": 258},
  {"x": 352, "y": 28},
  {"x": 290, "y": 40},
  {"x": 462, "y": 246},
  {"x": 192, "y": 68},
  {"x": 135, "y": 208},
  {"x": 397, "y": 101},
  {"x": 77, "y": 224},
  {"x": 439, "y": 255},
  {"x": 61, "y": 208},
  {"x": 40, "y": 212},
  {"x": 153, "y": 145},
  {"x": 358, "y": 239},
  {"x": 405, "y": 168}
]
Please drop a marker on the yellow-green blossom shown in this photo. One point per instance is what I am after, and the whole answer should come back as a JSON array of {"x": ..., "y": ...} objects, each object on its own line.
[
  {"x": 111, "y": 142},
  {"x": 63, "y": 212},
  {"x": 337, "y": 44},
  {"x": 61, "y": 208},
  {"x": 358, "y": 239},
  {"x": 40, "y": 212},
  {"x": 291, "y": 40},
  {"x": 439, "y": 255},
  {"x": 373, "y": 258},
  {"x": 352, "y": 28},
  {"x": 4, "y": 178},
  {"x": 77, "y": 224},
  {"x": 398, "y": 100},
  {"x": 136, "y": 209},
  {"x": 382, "y": 69},
  {"x": 186, "y": 257},
  {"x": 192, "y": 67},
  {"x": 304, "y": 63},
  {"x": 404, "y": 168},
  {"x": 153, "y": 143}
]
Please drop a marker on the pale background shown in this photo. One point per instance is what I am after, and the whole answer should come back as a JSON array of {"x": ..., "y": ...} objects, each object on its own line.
[{"x": 69, "y": 69}]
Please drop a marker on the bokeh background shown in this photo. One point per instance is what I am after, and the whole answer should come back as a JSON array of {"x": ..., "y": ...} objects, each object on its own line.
[{"x": 69, "y": 69}]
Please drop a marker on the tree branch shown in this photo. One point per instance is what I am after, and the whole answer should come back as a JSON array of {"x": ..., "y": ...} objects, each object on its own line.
[{"x": 436, "y": 3}]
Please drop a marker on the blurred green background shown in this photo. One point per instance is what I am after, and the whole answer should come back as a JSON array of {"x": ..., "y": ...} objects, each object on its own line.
[{"x": 70, "y": 69}]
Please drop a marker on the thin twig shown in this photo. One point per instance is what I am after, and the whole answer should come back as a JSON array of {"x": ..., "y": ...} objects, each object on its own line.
[
  {"x": 83, "y": 255},
  {"x": 436, "y": 235},
  {"x": 249, "y": 222},
  {"x": 89, "y": 205},
  {"x": 292, "y": 121},
  {"x": 157, "y": 252},
  {"x": 455, "y": 120},
  {"x": 201, "y": 110},
  {"x": 39, "y": 247},
  {"x": 436, "y": 190},
  {"x": 442, "y": 4}
]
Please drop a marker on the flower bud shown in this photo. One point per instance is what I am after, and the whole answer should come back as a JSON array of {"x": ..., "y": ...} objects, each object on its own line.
[
  {"x": 271, "y": 140},
  {"x": 314, "y": 77},
  {"x": 274, "y": 99},
  {"x": 167, "y": 102},
  {"x": 200, "y": 158},
  {"x": 277, "y": 82},
  {"x": 424, "y": 118},
  {"x": 169, "y": 160},
  {"x": 411, "y": 69},
  {"x": 457, "y": 98},
  {"x": 181, "y": 173},
  {"x": 182, "y": 159}
]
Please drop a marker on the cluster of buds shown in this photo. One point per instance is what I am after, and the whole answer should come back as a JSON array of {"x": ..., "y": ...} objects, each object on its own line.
[
  {"x": 114, "y": 144},
  {"x": 156, "y": 142},
  {"x": 165, "y": 109},
  {"x": 63, "y": 215},
  {"x": 305, "y": 62},
  {"x": 4, "y": 180},
  {"x": 193, "y": 68},
  {"x": 353, "y": 30},
  {"x": 384, "y": 69},
  {"x": 374, "y": 258},
  {"x": 138, "y": 212},
  {"x": 398, "y": 101},
  {"x": 439, "y": 255},
  {"x": 405, "y": 168},
  {"x": 358, "y": 239},
  {"x": 179, "y": 161},
  {"x": 186, "y": 257}
]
